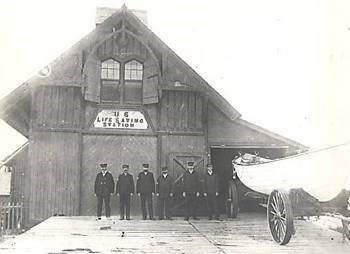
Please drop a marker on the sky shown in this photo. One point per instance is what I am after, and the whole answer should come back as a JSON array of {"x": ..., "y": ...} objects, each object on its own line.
[{"x": 282, "y": 64}]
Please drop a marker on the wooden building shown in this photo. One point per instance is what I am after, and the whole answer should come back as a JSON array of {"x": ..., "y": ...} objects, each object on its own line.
[{"x": 120, "y": 95}]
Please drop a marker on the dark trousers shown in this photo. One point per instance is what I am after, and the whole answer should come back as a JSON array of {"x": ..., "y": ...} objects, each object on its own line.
[
  {"x": 147, "y": 198},
  {"x": 100, "y": 200},
  {"x": 191, "y": 204},
  {"x": 124, "y": 202},
  {"x": 212, "y": 205},
  {"x": 163, "y": 207}
]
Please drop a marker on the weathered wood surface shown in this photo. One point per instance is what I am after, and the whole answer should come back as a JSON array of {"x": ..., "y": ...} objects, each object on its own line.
[
  {"x": 54, "y": 174},
  {"x": 181, "y": 111},
  {"x": 114, "y": 150},
  {"x": 56, "y": 107},
  {"x": 247, "y": 234}
]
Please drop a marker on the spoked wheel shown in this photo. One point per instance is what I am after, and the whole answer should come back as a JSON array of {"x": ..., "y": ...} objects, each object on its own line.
[
  {"x": 280, "y": 217},
  {"x": 232, "y": 201},
  {"x": 346, "y": 228}
]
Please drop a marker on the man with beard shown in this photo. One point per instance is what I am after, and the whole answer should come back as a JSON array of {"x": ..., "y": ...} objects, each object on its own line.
[
  {"x": 164, "y": 193},
  {"x": 211, "y": 192},
  {"x": 104, "y": 186},
  {"x": 191, "y": 190},
  {"x": 145, "y": 188},
  {"x": 125, "y": 189}
]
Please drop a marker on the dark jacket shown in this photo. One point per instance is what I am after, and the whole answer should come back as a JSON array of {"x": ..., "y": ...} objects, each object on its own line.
[
  {"x": 145, "y": 183},
  {"x": 191, "y": 182},
  {"x": 211, "y": 183},
  {"x": 125, "y": 184},
  {"x": 164, "y": 185},
  {"x": 104, "y": 185}
]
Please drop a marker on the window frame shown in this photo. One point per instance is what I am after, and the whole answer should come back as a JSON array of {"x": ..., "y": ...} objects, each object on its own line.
[
  {"x": 118, "y": 81},
  {"x": 122, "y": 80}
]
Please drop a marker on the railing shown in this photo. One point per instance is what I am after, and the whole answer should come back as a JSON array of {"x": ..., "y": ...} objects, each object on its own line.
[{"x": 11, "y": 218}]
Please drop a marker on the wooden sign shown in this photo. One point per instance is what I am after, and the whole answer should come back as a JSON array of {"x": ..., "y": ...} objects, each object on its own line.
[{"x": 120, "y": 119}]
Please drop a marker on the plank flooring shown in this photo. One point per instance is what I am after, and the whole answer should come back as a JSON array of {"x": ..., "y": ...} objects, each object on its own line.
[{"x": 247, "y": 234}]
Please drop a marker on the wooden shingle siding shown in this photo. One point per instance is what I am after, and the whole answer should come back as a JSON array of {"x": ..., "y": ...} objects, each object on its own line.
[
  {"x": 54, "y": 164},
  {"x": 56, "y": 107},
  {"x": 181, "y": 111}
]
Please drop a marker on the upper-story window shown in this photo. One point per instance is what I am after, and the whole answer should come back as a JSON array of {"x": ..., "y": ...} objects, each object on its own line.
[
  {"x": 121, "y": 81},
  {"x": 110, "y": 69},
  {"x": 133, "y": 82},
  {"x": 133, "y": 70},
  {"x": 110, "y": 80}
]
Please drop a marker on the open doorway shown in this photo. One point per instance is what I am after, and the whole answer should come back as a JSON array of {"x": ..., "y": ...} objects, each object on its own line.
[{"x": 221, "y": 159}]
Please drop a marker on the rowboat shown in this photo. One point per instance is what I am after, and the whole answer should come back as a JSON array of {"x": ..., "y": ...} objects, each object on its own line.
[
  {"x": 322, "y": 173},
  {"x": 312, "y": 183}
]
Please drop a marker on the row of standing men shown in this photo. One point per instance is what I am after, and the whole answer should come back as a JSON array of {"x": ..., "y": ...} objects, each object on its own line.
[{"x": 163, "y": 188}]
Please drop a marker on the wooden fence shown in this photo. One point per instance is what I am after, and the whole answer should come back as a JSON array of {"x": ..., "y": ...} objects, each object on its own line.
[{"x": 11, "y": 218}]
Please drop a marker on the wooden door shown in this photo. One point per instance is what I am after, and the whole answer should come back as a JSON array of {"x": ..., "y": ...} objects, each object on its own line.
[
  {"x": 115, "y": 151},
  {"x": 177, "y": 167}
]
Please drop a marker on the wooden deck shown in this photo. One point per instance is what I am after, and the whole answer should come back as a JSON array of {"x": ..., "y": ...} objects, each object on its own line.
[{"x": 247, "y": 234}]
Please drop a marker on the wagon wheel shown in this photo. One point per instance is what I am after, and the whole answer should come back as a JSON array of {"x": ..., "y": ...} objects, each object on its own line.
[
  {"x": 280, "y": 217},
  {"x": 232, "y": 201},
  {"x": 346, "y": 228}
]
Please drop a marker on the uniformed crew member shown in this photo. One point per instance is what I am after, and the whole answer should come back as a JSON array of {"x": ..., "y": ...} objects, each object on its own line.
[
  {"x": 211, "y": 192},
  {"x": 164, "y": 192},
  {"x": 191, "y": 190},
  {"x": 104, "y": 186},
  {"x": 125, "y": 189},
  {"x": 145, "y": 188}
]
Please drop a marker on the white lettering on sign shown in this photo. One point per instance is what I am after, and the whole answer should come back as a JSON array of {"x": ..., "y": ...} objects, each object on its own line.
[{"x": 120, "y": 119}]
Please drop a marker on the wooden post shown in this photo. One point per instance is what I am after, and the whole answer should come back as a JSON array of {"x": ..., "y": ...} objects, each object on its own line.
[
  {"x": 1, "y": 217},
  {"x": 12, "y": 214}
]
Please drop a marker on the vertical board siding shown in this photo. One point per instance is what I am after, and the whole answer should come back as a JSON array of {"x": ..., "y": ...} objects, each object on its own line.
[
  {"x": 54, "y": 163},
  {"x": 181, "y": 144},
  {"x": 199, "y": 113},
  {"x": 56, "y": 107},
  {"x": 115, "y": 151},
  {"x": 20, "y": 181},
  {"x": 181, "y": 111}
]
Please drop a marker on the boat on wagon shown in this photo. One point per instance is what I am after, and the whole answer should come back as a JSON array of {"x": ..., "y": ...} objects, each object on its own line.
[{"x": 313, "y": 183}]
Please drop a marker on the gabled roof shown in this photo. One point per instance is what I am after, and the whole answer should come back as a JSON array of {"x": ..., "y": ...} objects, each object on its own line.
[
  {"x": 271, "y": 134},
  {"x": 8, "y": 158},
  {"x": 67, "y": 69},
  {"x": 243, "y": 134}
]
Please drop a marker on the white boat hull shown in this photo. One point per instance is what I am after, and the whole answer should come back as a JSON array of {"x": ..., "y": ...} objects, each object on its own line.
[{"x": 323, "y": 173}]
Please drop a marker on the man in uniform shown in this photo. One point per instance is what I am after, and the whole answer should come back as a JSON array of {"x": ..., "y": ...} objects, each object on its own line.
[
  {"x": 164, "y": 193},
  {"x": 125, "y": 189},
  {"x": 211, "y": 192},
  {"x": 145, "y": 189},
  {"x": 104, "y": 186},
  {"x": 191, "y": 190}
]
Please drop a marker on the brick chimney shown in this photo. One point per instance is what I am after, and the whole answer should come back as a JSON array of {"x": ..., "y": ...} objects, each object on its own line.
[{"x": 102, "y": 13}]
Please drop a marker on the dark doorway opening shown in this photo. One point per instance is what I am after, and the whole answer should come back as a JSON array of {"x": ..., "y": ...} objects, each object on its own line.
[{"x": 221, "y": 159}]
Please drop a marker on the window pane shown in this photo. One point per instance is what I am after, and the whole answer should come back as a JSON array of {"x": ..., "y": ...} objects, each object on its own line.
[
  {"x": 110, "y": 90},
  {"x": 104, "y": 73},
  {"x": 133, "y": 92},
  {"x": 110, "y": 69},
  {"x": 133, "y": 70}
]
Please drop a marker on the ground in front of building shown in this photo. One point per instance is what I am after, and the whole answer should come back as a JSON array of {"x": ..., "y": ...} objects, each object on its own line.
[{"x": 248, "y": 233}]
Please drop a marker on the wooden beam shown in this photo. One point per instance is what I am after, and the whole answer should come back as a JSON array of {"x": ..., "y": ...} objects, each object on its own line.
[
  {"x": 181, "y": 133},
  {"x": 245, "y": 145}
]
